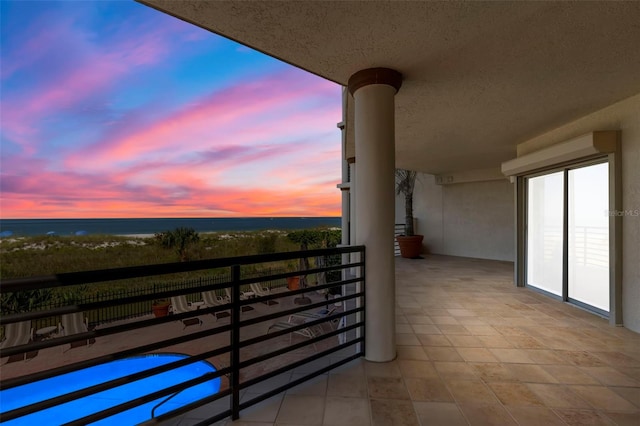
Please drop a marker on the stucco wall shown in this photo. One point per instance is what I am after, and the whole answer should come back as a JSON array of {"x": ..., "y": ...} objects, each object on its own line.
[
  {"x": 473, "y": 219},
  {"x": 624, "y": 116}
]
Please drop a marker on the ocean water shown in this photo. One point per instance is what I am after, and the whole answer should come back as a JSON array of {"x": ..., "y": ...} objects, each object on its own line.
[{"x": 32, "y": 227}]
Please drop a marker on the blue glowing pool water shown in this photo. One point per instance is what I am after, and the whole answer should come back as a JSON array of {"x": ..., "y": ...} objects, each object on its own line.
[{"x": 31, "y": 393}]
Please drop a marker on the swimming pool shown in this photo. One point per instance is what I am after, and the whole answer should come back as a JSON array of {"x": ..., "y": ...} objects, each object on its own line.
[{"x": 42, "y": 390}]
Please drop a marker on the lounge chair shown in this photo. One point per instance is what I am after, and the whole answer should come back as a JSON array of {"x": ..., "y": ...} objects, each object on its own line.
[
  {"x": 180, "y": 305},
  {"x": 75, "y": 323},
  {"x": 243, "y": 296},
  {"x": 310, "y": 316},
  {"x": 261, "y": 291},
  {"x": 16, "y": 334},
  {"x": 283, "y": 325},
  {"x": 210, "y": 298}
]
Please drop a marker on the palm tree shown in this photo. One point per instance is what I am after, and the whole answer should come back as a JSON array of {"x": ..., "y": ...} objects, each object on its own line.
[{"x": 405, "y": 183}]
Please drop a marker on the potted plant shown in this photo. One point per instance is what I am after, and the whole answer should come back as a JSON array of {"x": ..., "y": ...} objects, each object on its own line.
[
  {"x": 410, "y": 244},
  {"x": 160, "y": 308}
]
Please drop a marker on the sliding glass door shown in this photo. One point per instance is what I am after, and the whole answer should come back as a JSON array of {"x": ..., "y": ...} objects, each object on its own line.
[
  {"x": 567, "y": 239},
  {"x": 544, "y": 232},
  {"x": 588, "y": 261}
]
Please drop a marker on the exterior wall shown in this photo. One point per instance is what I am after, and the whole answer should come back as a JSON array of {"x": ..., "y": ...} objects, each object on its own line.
[
  {"x": 624, "y": 116},
  {"x": 473, "y": 219}
]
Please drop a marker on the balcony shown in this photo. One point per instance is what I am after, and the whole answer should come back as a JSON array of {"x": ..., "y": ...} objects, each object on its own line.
[
  {"x": 472, "y": 349},
  {"x": 238, "y": 342}
]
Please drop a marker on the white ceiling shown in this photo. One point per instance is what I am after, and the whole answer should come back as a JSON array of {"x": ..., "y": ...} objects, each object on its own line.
[{"x": 479, "y": 77}]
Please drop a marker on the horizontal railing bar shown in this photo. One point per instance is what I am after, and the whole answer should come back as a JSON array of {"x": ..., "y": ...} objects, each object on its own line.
[
  {"x": 26, "y": 316},
  {"x": 269, "y": 394},
  {"x": 58, "y": 341},
  {"x": 300, "y": 308},
  {"x": 86, "y": 277},
  {"x": 298, "y": 363},
  {"x": 259, "y": 339},
  {"x": 278, "y": 352},
  {"x": 41, "y": 375}
]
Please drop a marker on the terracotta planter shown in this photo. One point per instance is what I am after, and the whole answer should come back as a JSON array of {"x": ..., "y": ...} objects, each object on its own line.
[
  {"x": 293, "y": 283},
  {"x": 160, "y": 310},
  {"x": 410, "y": 247}
]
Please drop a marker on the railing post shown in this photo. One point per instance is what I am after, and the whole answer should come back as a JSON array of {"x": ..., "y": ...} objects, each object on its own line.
[{"x": 235, "y": 342}]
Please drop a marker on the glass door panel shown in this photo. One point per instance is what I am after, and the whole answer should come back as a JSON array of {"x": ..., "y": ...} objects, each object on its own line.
[
  {"x": 545, "y": 232},
  {"x": 588, "y": 228}
]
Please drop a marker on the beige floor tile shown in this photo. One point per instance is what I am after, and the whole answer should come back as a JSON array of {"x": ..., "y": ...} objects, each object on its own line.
[
  {"x": 476, "y": 355},
  {"x": 347, "y": 385},
  {"x": 301, "y": 410},
  {"x": 419, "y": 319},
  {"x": 569, "y": 374},
  {"x": 439, "y": 414},
  {"x": 387, "y": 388},
  {"x": 471, "y": 392},
  {"x": 461, "y": 312},
  {"x": 582, "y": 358},
  {"x": 455, "y": 370},
  {"x": 382, "y": 369},
  {"x": 444, "y": 320},
  {"x": 434, "y": 340},
  {"x": 340, "y": 411},
  {"x": 617, "y": 359},
  {"x": 511, "y": 355},
  {"x": 407, "y": 339},
  {"x": 403, "y": 328},
  {"x": 530, "y": 373},
  {"x": 510, "y": 393},
  {"x": 436, "y": 353},
  {"x": 525, "y": 342},
  {"x": 432, "y": 389},
  {"x": 392, "y": 412},
  {"x": 624, "y": 419},
  {"x": 558, "y": 396},
  {"x": 603, "y": 398},
  {"x": 425, "y": 329},
  {"x": 631, "y": 394},
  {"x": 265, "y": 411},
  {"x": 412, "y": 352},
  {"x": 545, "y": 356},
  {"x": 449, "y": 329},
  {"x": 493, "y": 372},
  {"x": 534, "y": 416},
  {"x": 487, "y": 415},
  {"x": 415, "y": 368},
  {"x": 506, "y": 330},
  {"x": 316, "y": 386},
  {"x": 499, "y": 342},
  {"x": 583, "y": 417},
  {"x": 610, "y": 376},
  {"x": 481, "y": 330},
  {"x": 462, "y": 341}
]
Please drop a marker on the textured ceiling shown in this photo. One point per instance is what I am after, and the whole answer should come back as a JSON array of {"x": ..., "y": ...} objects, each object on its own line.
[{"x": 479, "y": 77}]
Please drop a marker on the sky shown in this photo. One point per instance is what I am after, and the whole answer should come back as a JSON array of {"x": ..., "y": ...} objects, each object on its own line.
[{"x": 113, "y": 109}]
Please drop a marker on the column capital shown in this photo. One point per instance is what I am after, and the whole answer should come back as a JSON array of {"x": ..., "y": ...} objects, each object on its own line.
[{"x": 374, "y": 76}]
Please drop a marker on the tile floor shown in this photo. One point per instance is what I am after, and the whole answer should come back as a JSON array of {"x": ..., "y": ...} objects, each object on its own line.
[{"x": 474, "y": 350}]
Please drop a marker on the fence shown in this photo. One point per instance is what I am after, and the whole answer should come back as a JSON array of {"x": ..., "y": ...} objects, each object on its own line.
[{"x": 132, "y": 310}]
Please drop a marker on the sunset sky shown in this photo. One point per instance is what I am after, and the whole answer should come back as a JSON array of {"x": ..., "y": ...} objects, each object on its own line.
[{"x": 112, "y": 109}]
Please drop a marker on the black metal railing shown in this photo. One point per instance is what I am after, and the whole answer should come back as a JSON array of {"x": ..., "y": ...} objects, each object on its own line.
[{"x": 245, "y": 351}]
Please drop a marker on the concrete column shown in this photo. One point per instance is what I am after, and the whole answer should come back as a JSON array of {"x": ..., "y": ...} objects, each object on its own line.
[{"x": 374, "y": 91}]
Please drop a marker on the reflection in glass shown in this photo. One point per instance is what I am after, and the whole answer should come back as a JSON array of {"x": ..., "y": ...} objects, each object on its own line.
[
  {"x": 544, "y": 232},
  {"x": 589, "y": 235}
]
